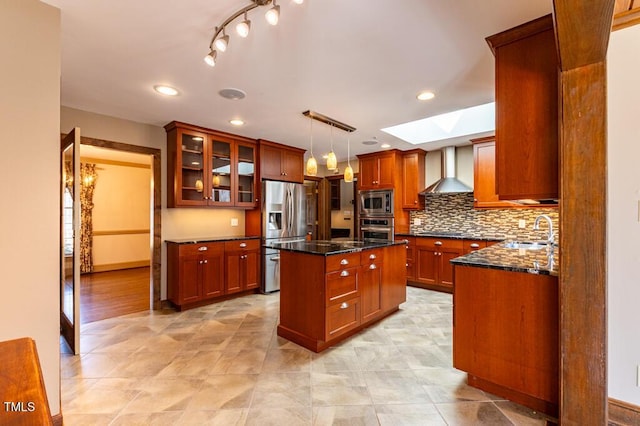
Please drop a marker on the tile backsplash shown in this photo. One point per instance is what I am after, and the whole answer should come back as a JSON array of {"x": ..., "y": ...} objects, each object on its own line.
[{"x": 455, "y": 212}]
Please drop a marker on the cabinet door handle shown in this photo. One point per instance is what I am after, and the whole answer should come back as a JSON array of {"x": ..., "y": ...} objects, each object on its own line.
[
  {"x": 243, "y": 245},
  {"x": 344, "y": 305},
  {"x": 344, "y": 273},
  {"x": 372, "y": 266},
  {"x": 474, "y": 245},
  {"x": 344, "y": 262},
  {"x": 205, "y": 261},
  {"x": 406, "y": 264},
  {"x": 203, "y": 248},
  {"x": 438, "y": 243},
  {"x": 372, "y": 256}
]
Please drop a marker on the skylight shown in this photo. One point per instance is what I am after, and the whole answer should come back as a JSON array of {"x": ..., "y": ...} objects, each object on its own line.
[{"x": 463, "y": 122}]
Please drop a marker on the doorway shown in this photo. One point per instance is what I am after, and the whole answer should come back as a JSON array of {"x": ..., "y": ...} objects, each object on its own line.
[{"x": 341, "y": 208}]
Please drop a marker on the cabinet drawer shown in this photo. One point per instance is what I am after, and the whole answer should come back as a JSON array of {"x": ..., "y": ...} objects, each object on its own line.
[
  {"x": 341, "y": 284},
  {"x": 242, "y": 245},
  {"x": 342, "y": 317},
  {"x": 448, "y": 243},
  {"x": 338, "y": 262},
  {"x": 203, "y": 248},
  {"x": 473, "y": 245},
  {"x": 368, "y": 257}
]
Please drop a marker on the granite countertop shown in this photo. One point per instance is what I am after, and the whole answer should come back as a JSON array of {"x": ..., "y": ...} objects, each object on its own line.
[
  {"x": 467, "y": 235},
  {"x": 210, "y": 239},
  {"x": 498, "y": 256},
  {"x": 330, "y": 247}
]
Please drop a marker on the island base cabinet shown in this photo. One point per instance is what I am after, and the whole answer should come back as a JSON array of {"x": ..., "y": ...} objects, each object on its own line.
[
  {"x": 505, "y": 334},
  {"x": 342, "y": 318}
]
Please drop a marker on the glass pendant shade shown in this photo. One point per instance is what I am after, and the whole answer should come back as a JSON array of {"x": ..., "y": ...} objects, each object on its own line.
[
  {"x": 348, "y": 173},
  {"x": 332, "y": 161},
  {"x": 312, "y": 166}
]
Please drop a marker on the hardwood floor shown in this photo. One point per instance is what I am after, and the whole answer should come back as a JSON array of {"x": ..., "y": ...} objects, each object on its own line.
[{"x": 111, "y": 294}]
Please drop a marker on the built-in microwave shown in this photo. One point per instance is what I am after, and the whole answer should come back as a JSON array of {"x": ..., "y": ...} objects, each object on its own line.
[{"x": 377, "y": 202}]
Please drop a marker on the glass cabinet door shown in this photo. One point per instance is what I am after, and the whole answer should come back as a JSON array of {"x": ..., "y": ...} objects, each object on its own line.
[
  {"x": 221, "y": 172},
  {"x": 192, "y": 174},
  {"x": 246, "y": 175}
]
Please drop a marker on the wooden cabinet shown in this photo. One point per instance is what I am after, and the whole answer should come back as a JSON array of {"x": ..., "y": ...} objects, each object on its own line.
[
  {"x": 195, "y": 272},
  {"x": 242, "y": 265},
  {"x": 334, "y": 296},
  {"x": 484, "y": 175},
  {"x": 412, "y": 178},
  {"x": 207, "y": 168},
  {"x": 410, "y": 248},
  {"x": 526, "y": 81},
  {"x": 281, "y": 162},
  {"x": 198, "y": 273},
  {"x": 376, "y": 171},
  {"x": 505, "y": 334},
  {"x": 433, "y": 269}
]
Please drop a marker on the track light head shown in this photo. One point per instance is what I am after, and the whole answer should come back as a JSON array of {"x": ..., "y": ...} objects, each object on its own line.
[
  {"x": 210, "y": 59},
  {"x": 273, "y": 14},
  {"x": 244, "y": 27},
  {"x": 222, "y": 42}
]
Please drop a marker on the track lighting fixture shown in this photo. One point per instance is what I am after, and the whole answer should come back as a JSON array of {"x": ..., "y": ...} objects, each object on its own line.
[{"x": 242, "y": 28}]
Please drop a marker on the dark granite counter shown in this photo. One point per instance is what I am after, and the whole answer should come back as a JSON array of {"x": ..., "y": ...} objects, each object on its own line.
[
  {"x": 467, "y": 235},
  {"x": 210, "y": 239},
  {"x": 328, "y": 247},
  {"x": 498, "y": 256}
]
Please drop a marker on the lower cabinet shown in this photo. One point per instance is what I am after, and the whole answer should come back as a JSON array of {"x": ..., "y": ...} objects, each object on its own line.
[
  {"x": 198, "y": 273},
  {"x": 411, "y": 255},
  {"x": 371, "y": 283},
  {"x": 433, "y": 269}
]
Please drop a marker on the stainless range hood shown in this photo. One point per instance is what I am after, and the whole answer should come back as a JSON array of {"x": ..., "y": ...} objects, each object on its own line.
[{"x": 448, "y": 183}]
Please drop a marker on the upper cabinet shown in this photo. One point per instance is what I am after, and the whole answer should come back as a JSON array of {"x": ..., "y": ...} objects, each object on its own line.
[
  {"x": 412, "y": 178},
  {"x": 281, "y": 162},
  {"x": 376, "y": 171},
  {"x": 209, "y": 168},
  {"x": 484, "y": 174},
  {"x": 526, "y": 64}
]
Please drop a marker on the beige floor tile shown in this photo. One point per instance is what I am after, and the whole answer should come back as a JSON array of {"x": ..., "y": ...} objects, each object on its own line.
[
  {"x": 340, "y": 395},
  {"x": 164, "y": 394},
  {"x": 409, "y": 415},
  {"x": 169, "y": 418},
  {"x": 71, "y": 419},
  {"x": 280, "y": 360},
  {"x": 338, "y": 378},
  {"x": 234, "y": 417},
  {"x": 282, "y": 390},
  {"x": 224, "y": 392},
  {"x": 345, "y": 416},
  {"x": 342, "y": 358},
  {"x": 279, "y": 416},
  {"x": 239, "y": 361},
  {"x": 522, "y": 416},
  {"x": 473, "y": 413},
  {"x": 395, "y": 387}
]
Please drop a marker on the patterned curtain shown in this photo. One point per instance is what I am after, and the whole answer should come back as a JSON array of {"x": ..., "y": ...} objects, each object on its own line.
[{"x": 88, "y": 178}]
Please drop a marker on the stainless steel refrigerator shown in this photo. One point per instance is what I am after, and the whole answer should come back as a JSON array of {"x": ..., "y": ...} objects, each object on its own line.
[{"x": 288, "y": 213}]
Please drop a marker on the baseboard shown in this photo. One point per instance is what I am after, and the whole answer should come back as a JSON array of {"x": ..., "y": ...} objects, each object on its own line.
[
  {"x": 118, "y": 266},
  {"x": 57, "y": 420},
  {"x": 623, "y": 414}
]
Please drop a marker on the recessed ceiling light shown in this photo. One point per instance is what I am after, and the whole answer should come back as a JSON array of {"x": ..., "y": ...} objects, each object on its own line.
[
  {"x": 425, "y": 96},
  {"x": 165, "y": 90},
  {"x": 236, "y": 122},
  {"x": 385, "y": 145},
  {"x": 233, "y": 94},
  {"x": 372, "y": 141}
]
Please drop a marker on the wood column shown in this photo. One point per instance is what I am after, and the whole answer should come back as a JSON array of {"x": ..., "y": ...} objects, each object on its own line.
[{"x": 582, "y": 31}]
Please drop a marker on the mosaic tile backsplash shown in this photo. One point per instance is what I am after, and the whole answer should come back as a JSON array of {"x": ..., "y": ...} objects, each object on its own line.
[{"x": 455, "y": 213}]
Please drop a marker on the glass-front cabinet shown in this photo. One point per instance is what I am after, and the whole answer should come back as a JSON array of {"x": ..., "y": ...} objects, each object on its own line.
[{"x": 209, "y": 168}]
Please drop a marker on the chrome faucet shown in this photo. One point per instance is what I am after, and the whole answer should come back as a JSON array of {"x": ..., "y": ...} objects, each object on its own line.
[{"x": 536, "y": 227}]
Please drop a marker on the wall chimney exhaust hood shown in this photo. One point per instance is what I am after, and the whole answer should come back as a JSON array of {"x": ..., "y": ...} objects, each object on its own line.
[{"x": 448, "y": 183}]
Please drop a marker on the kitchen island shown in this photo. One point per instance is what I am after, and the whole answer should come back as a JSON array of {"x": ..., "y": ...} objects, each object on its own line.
[{"x": 330, "y": 290}]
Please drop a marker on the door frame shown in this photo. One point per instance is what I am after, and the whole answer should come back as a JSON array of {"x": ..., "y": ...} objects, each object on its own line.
[{"x": 155, "y": 302}]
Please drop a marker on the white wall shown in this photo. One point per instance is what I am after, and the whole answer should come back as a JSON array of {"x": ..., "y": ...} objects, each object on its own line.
[
  {"x": 176, "y": 223},
  {"x": 623, "y": 222},
  {"x": 30, "y": 171}
]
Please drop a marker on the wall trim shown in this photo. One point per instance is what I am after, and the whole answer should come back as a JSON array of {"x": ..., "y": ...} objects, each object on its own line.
[
  {"x": 623, "y": 413},
  {"x": 121, "y": 232},
  {"x": 122, "y": 265},
  {"x": 57, "y": 420},
  {"x": 114, "y": 162}
]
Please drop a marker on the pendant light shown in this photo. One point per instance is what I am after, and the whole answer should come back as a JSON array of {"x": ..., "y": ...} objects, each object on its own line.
[
  {"x": 312, "y": 164},
  {"x": 348, "y": 171},
  {"x": 332, "y": 161}
]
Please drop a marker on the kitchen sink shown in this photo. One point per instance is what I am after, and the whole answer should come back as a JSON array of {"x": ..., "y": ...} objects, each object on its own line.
[{"x": 526, "y": 245}]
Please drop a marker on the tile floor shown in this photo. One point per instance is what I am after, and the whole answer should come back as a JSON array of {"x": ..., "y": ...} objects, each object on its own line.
[{"x": 223, "y": 364}]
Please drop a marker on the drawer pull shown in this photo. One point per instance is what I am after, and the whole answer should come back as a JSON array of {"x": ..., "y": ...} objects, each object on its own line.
[
  {"x": 373, "y": 266},
  {"x": 203, "y": 248},
  {"x": 474, "y": 245},
  {"x": 344, "y": 262},
  {"x": 372, "y": 256},
  {"x": 243, "y": 245},
  {"x": 205, "y": 261},
  {"x": 344, "y": 273},
  {"x": 438, "y": 243},
  {"x": 344, "y": 305}
]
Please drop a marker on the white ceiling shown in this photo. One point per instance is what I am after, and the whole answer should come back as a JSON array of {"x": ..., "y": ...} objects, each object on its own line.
[{"x": 360, "y": 62}]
